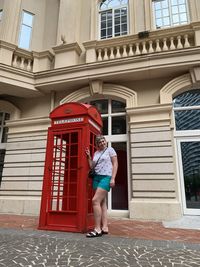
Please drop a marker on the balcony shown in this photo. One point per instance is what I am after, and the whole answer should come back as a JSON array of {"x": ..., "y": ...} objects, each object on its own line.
[
  {"x": 159, "y": 41},
  {"x": 165, "y": 52}
]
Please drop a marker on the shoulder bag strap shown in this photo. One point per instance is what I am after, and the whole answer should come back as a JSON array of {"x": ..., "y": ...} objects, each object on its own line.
[{"x": 99, "y": 158}]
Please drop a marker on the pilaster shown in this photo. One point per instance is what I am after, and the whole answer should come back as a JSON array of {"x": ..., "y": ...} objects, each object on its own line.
[{"x": 10, "y": 21}]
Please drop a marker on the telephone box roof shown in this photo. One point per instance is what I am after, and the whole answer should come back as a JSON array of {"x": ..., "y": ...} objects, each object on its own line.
[{"x": 74, "y": 109}]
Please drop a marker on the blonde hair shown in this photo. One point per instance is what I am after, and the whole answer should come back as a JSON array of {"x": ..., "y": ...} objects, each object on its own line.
[{"x": 98, "y": 138}]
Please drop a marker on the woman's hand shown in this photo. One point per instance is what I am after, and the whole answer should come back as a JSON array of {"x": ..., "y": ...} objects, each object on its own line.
[
  {"x": 112, "y": 182},
  {"x": 87, "y": 152}
]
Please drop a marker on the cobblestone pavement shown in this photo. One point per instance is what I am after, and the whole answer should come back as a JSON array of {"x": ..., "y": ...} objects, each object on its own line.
[{"x": 44, "y": 248}]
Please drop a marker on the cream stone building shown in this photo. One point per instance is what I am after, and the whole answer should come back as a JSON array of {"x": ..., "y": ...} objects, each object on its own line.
[{"x": 138, "y": 62}]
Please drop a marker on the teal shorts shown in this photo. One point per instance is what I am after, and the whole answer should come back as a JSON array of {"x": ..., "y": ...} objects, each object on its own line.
[{"x": 102, "y": 181}]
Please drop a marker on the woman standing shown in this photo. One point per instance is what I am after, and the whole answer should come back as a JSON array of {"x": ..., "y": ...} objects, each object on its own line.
[{"x": 105, "y": 164}]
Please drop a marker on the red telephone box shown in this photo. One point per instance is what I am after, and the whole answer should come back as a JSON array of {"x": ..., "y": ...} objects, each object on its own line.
[{"x": 66, "y": 203}]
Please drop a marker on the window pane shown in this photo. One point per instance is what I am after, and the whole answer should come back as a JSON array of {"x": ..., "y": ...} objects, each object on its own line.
[
  {"x": 182, "y": 8},
  {"x": 158, "y": 14},
  {"x": 109, "y": 23},
  {"x": 124, "y": 19},
  {"x": 191, "y": 98},
  {"x": 175, "y": 18},
  {"x": 101, "y": 105},
  {"x": 158, "y": 23},
  {"x": 164, "y": 3},
  {"x": 183, "y": 18},
  {"x": 123, "y": 11},
  {"x": 103, "y": 16},
  {"x": 117, "y": 21},
  {"x": 190, "y": 152},
  {"x": 113, "y": 3},
  {"x": 166, "y": 21},
  {"x": 105, "y": 125},
  {"x": 117, "y": 29},
  {"x": 157, "y": 5},
  {"x": 103, "y": 34},
  {"x": 187, "y": 120},
  {"x": 165, "y": 12},
  {"x": 174, "y": 2},
  {"x": 103, "y": 25},
  {"x": 124, "y": 28},
  {"x": 25, "y": 37},
  {"x": 181, "y": 2},
  {"x": 174, "y": 9},
  {"x": 117, "y": 12},
  {"x": 109, "y": 33},
  {"x": 27, "y": 19},
  {"x": 119, "y": 125},
  {"x": 118, "y": 106},
  {"x": 109, "y": 15}
]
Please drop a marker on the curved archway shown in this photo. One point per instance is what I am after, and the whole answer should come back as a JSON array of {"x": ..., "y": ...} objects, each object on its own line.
[
  {"x": 10, "y": 108},
  {"x": 177, "y": 85},
  {"x": 121, "y": 92}
]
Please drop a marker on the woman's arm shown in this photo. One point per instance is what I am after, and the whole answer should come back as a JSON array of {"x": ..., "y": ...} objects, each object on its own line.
[
  {"x": 114, "y": 170},
  {"x": 90, "y": 162}
]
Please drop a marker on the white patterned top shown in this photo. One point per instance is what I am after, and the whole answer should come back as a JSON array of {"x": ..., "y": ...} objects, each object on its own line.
[{"x": 104, "y": 165}]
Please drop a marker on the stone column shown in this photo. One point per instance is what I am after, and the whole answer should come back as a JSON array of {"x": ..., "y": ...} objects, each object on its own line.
[
  {"x": 154, "y": 180},
  {"x": 10, "y": 21}
]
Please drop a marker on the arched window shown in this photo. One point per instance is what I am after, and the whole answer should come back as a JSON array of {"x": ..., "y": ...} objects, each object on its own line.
[
  {"x": 113, "y": 18},
  {"x": 187, "y": 110},
  {"x": 168, "y": 13}
]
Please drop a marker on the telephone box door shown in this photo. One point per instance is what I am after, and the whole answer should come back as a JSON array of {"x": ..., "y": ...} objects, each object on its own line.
[{"x": 63, "y": 166}]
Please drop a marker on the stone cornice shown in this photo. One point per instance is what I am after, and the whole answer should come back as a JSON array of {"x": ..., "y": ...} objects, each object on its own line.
[
  {"x": 67, "y": 47},
  {"x": 170, "y": 60}
]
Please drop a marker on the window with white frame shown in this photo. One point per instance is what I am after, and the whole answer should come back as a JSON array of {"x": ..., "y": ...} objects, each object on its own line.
[
  {"x": 3, "y": 138},
  {"x": 26, "y": 30},
  {"x": 113, "y": 116},
  {"x": 113, "y": 17},
  {"x": 187, "y": 110},
  {"x": 168, "y": 13}
]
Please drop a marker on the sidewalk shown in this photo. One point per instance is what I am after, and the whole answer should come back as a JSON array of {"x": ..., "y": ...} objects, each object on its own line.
[{"x": 127, "y": 228}]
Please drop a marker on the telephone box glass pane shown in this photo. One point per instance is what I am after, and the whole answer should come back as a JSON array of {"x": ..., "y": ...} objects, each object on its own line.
[{"x": 64, "y": 172}]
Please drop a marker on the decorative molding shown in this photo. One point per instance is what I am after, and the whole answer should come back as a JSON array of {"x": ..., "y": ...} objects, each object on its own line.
[
  {"x": 8, "y": 107},
  {"x": 172, "y": 87},
  {"x": 113, "y": 90},
  {"x": 195, "y": 74},
  {"x": 96, "y": 87}
]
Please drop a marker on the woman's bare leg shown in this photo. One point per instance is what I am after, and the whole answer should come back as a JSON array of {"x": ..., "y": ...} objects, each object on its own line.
[
  {"x": 99, "y": 196},
  {"x": 104, "y": 217}
]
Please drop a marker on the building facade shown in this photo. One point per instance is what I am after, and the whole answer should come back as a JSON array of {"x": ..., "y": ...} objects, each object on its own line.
[{"x": 138, "y": 62}]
